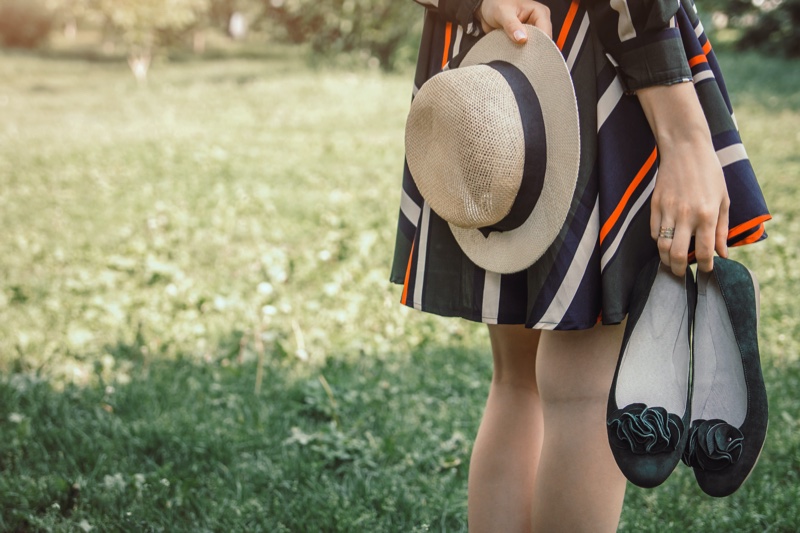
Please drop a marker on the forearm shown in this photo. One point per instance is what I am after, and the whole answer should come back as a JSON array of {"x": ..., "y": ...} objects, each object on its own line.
[{"x": 675, "y": 116}]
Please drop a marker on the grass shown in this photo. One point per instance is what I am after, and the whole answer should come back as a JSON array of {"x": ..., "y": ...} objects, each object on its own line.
[{"x": 196, "y": 331}]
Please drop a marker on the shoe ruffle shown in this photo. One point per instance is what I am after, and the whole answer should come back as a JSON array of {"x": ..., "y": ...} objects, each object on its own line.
[
  {"x": 645, "y": 430},
  {"x": 713, "y": 445}
]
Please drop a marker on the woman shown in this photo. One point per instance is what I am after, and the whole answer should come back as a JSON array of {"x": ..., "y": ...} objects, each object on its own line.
[{"x": 541, "y": 460}]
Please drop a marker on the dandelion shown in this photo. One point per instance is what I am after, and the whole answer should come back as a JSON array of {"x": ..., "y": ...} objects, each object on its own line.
[
  {"x": 265, "y": 288},
  {"x": 115, "y": 482}
]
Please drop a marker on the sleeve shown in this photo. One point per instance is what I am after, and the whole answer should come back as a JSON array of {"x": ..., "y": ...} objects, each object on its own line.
[
  {"x": 642, "y": 39},
  {"x": 461, "y": 12}
]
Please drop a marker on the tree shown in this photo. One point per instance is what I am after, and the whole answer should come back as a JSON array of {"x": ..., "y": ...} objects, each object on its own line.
[
  {"x": 376, "y": 28},
  {"x": 24, "y": 23},
  {"x": 143, "y": 26},
  {"x": 770, "y": 25}
]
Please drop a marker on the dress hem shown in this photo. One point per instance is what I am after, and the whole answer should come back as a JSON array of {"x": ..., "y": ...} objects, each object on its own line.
[{"x": 559, "y": 326}]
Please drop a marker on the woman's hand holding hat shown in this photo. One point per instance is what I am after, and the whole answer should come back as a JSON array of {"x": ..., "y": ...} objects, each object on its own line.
[{"x": 510, "y": 15}]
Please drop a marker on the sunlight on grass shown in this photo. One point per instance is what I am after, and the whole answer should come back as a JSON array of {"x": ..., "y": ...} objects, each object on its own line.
[{"x": 166, "y": 211}]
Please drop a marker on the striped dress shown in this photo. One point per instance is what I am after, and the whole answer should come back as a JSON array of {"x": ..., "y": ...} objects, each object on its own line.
[{"x": 613, "y": 48}]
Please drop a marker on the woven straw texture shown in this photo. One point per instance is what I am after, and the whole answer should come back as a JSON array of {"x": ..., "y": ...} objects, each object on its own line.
[
  {"x": 465, "y": 154},
  {"x": 470, "y": 178}
]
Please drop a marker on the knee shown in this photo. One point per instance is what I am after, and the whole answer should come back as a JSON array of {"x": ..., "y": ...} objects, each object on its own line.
[
  {"x": 514, "y": 353},
  {"x": 572, "y": 393},
  {"x": 577, "y": 368}
]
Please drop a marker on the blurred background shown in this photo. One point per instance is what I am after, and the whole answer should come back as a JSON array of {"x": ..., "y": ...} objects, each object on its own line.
[
  {"x": 378, "y": 33},
  {"x": 198, "y": 202}
]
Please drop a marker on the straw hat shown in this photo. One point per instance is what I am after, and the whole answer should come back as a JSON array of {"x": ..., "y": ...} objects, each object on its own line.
[{"x": 494, "y": 148}]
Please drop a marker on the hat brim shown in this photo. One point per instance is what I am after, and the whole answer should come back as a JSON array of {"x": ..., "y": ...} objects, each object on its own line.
[{"x": 543, "y": 65}]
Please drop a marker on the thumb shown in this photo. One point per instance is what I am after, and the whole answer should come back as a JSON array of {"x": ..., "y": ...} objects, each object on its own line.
[{"x": 513, "y": 27}]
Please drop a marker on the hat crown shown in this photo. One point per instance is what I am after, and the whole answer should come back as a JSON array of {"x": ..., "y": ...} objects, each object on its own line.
[
  {"x": 494, "y": 149},
  {"x": 479, "y": 171}
]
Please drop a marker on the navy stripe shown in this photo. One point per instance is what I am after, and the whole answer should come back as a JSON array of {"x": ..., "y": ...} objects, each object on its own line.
[{"x": 535, "y": 166}]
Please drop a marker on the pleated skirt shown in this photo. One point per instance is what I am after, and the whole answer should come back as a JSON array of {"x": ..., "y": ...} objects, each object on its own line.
[{"x": 586, "y": 276}]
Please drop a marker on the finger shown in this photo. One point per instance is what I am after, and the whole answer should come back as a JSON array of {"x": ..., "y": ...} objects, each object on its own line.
[
  {"x": 664, "y": 243},
  {"x": 704, "y": 247},
  {"x": 721, "y": 233},
  {"x": 655, "y": 220},
  {"x": 539, "y": 16},
  {"x": 679, "y": 251},
  {"x": 515, "y": 30}
]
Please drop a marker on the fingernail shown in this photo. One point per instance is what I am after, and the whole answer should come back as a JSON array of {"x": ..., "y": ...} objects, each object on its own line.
[{"x": 519, "y": 35}]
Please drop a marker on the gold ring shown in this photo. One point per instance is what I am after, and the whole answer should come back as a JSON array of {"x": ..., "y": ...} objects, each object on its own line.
[{"x": 666, "y": 233}]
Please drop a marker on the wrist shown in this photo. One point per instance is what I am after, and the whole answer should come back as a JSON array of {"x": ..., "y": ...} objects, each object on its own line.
[{"x": 675, "y": 116}]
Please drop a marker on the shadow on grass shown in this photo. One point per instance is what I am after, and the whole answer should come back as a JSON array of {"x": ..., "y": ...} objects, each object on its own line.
[{"x": 357, "y": 444}]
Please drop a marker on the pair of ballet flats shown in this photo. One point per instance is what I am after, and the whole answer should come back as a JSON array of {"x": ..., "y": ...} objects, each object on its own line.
[{"x": 689, "y": 378}]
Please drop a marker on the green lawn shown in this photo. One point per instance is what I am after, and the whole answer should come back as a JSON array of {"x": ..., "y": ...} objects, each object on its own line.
[{"x": 196, "y": 331}]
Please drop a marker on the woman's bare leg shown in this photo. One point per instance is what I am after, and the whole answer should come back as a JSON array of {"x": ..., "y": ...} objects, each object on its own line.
[
  {"x": 505, "y": 456},
  {"x": 578, "y": 485}
]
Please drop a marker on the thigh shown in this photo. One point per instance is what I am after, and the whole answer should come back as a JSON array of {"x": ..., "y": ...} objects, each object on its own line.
[
  {"x": 578, "y": 365},
  {"x": 514, "y": 349}
]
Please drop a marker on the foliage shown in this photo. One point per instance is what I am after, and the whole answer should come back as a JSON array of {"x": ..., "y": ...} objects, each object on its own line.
[
  {"x": 776, "y": 29},
  {"x": 145, "y": 24},
  {"x": 158, "y": 243},
  {"x": 770, "y": 25},
  {"x": 383, "y": 31},
  {"x": 24, "y": 23}
]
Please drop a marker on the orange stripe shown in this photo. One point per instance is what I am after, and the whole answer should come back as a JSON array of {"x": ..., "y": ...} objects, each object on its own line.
[
  {"x": 750, "y": 224},
  {"x": 448, "y": 34},
  {"x": 696, "y": 60},
  {"x": 707, "y": 47},
  {"x": 625, "y": 197},
  {"x": 562, "y": 36},
  {"x": 752, "y": 238},
  {"x": 408, "y": 274},
  {"x": 690, "y": 257}
]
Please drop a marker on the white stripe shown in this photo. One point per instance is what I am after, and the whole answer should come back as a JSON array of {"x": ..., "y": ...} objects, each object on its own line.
[
  {"x": 409, "y": 208},
  {"x": 459, "y": 35},
  {"x": 419, "y": 281},
  {"x": 625, "y": 28},
  {"x": 735, "y": 124},
  {"x": 608, "y": 101},
  {"x": 429, "y": 3},
  {"x": 704, "y": 75},
  {"x": 415, "y": 90},
  {"x": 635, "y": 208},
  {"x": 491, "y": 297},
  {"x": 699, "y": 29},
  {"x": 577, "y": 269},
  {"x": 731, "y": 154},
  {"x": 576, "y": 47}
]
